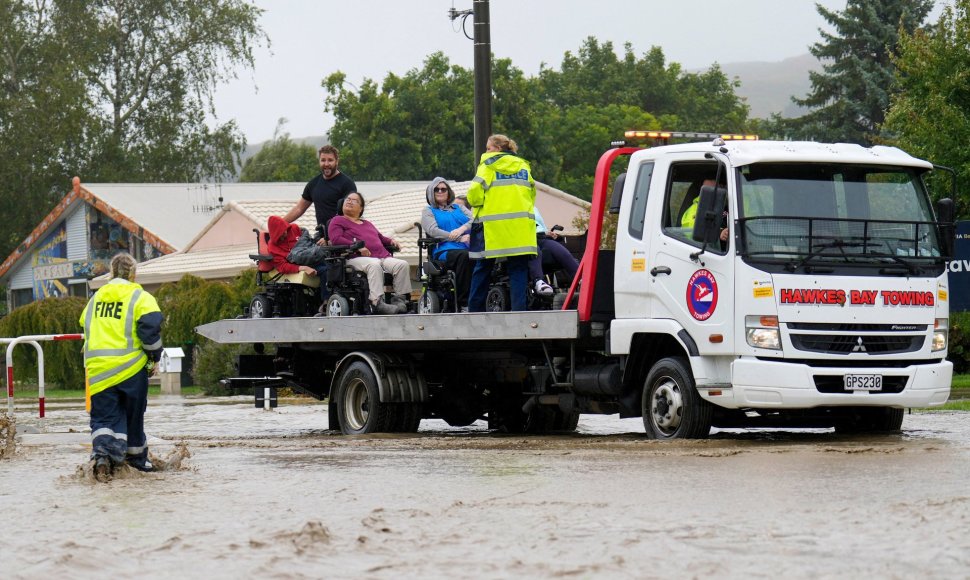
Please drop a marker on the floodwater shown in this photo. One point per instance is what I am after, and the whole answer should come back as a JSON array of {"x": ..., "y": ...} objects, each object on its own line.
[{"x": 254, "y": 493}]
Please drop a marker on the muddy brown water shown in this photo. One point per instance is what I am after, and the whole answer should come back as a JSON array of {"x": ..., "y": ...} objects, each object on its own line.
[{"x": 274, "y": 494}]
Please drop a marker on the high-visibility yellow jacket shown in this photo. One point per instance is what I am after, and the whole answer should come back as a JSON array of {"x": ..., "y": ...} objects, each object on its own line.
[
  {"x": 503, "y": 195},
  {"x": 121, "y": 322}
]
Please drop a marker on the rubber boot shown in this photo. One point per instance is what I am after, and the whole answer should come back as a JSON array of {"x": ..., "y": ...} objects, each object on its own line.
[{"x": 102, "y": 469}]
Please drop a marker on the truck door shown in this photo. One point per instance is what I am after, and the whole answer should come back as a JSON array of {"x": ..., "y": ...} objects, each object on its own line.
[
  {"x": 696, "y": 291},
  {"x": 631, "y": 282}
]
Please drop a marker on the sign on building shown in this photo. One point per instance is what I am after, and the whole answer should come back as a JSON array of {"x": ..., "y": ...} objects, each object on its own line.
[{"x": 959, "y": 276}]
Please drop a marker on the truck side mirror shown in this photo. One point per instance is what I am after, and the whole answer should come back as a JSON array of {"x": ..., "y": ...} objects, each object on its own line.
[
  {"x": 945, "y": 213},
  {"x": 710, "y": 215},
  {"x": 617, "y": 196}
]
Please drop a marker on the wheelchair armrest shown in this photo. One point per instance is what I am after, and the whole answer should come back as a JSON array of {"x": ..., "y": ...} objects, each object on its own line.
[
  {"x": 343, "y": 251},
  {"x": 261, "y": 257},
  {"x": 428, "y": 242}
]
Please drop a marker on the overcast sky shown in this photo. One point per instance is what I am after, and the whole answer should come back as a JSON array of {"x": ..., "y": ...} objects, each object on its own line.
[{"x": 367, "y": 38}]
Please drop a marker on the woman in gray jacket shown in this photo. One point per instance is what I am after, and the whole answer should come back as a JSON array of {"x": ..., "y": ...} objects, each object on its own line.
[{"x": 449, "y": 222}]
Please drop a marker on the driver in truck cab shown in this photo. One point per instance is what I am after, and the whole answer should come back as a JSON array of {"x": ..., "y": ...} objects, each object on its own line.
[{"x": 689, "y": 216}]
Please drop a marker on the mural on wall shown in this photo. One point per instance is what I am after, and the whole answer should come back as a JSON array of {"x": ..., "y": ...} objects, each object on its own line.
[
  {"x": 50, "y": 265},
  {"x": 106, "y": 237}
]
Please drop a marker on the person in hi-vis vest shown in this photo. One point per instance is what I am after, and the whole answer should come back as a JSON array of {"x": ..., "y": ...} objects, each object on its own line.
[
  {"x": 502, "y": 195},
  {"x": 122, "y": 342}
]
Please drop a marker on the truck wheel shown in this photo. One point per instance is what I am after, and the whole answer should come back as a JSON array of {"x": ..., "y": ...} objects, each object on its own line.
[
  {"x": 497, "y": 299},
  {"x": 672, "y": 407},
  {"x": 430, "y": 303},
  {"x": 869, "y": 420},
  {"x": 337, "y": 305},
  {"x": 260, "y": 307},
  {"x": 359, "y": 406}
]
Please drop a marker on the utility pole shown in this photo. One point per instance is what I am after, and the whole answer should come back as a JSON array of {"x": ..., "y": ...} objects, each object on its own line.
[
  {"x": 483, "y": 77},
  {"x": 483, "y": 69}
]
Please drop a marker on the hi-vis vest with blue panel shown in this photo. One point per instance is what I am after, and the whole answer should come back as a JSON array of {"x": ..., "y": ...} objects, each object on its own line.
[
  {"x": 502, "y": 194},
  {"x": 112, "y": 350}
]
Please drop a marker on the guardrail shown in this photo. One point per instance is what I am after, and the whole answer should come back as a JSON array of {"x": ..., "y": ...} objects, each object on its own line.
[{"x": 35, "y": 341}]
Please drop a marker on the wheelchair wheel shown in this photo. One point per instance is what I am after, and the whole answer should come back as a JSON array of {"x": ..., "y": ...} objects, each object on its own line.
[
  {"x": 261, "y": 307},
  {"x": 497, "y": 299},
  {"x": 337, "y": 305},
  {"x": 430, "y": 302}
]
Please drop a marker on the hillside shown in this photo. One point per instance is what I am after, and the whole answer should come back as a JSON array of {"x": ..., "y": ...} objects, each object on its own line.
[{"x": 769, "y": 86}]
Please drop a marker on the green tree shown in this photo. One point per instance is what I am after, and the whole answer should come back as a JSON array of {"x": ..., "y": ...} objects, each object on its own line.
[
  {"x": 930, "y": 114},
  {"x": 421, "y": 125},
  {"x": 151, "y": 66},
  {"x": 414, "y": 126},
  {"x": 281, "y": 159},
  {"x": 113, "y": 90},
  {"x": 850, "y": 96},
  {"x": 597, "y": 77},
  {"x": 43, "y": 114}
]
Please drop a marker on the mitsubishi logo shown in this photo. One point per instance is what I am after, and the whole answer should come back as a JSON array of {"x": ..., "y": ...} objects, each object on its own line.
[{"x": 859, "y": 347}]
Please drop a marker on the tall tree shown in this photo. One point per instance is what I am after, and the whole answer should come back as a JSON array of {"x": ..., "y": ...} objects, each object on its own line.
[
  {"x": 850, "y": 96},
  {"x": 930, "y": 114},
  {"x": 152, "y": 67},
  {"x": 420, "y": 125},
  {"x": 43, "y": 114},
  {"x": 281, "y": 159},
  {"x": 113, "y": 90},
  {"x": 414, "y": 126},
  {"x": 685, "y": 101}
]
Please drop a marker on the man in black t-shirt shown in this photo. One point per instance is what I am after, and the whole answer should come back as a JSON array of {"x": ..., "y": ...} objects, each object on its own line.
[{"x": 325, "y": 190}]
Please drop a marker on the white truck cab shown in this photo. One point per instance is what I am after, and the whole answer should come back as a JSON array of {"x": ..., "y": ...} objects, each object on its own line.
[{"x": 811, "y": 274}]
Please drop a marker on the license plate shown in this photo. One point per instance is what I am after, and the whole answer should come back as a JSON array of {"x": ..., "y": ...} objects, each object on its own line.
[{"x": 862, "y": 382}]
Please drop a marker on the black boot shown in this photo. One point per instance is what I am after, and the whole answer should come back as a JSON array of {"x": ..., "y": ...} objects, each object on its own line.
[{"x": 102, "y": 469}]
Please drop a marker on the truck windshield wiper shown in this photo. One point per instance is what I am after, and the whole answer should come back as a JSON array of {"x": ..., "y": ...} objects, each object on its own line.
[
  {"x": 820, "y": 250},
  {"x": 910, "y": 267}
]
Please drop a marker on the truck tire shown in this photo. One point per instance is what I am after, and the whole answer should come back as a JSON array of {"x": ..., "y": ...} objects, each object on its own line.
[
  {"x": 359, "y": 407},
  {"x": 430, "y": 303},
  {"x": 261, "y": 307},
  {"x": 869, "y": 420},
  {"x": 672, "y": 407}
]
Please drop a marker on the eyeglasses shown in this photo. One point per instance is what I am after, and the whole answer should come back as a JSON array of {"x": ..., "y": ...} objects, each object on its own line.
[
  {"x": 351, "y": 200},
  {"x": 445, "y": 189}
]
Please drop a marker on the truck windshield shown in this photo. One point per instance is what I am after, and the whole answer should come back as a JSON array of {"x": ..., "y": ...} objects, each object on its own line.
[{"x": 837, "y": 217}]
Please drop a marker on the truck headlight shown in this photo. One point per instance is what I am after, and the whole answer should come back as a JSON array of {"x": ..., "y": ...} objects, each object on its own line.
[
  {"x": 762, "y": 332},
  {"x": 940, "y": 328}
]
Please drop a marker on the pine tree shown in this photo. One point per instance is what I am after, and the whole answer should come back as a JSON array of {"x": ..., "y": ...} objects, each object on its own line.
[{"x": 850, "y": 96}]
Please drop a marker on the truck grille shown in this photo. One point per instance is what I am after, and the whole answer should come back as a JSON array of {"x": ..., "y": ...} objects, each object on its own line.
[{"x": 858, "y": 344}]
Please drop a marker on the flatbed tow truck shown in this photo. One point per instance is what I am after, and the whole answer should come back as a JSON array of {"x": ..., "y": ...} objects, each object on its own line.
[{"x": 825, "y": 303}]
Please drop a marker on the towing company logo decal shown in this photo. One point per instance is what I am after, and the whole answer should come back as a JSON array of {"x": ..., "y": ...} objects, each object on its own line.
[
  {"x": 856, "y": 297},
  {"x": 702, "y": 294}
]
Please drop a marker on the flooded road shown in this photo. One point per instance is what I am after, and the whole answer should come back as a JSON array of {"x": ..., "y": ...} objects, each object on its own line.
[{"x": 273, "y": 494}]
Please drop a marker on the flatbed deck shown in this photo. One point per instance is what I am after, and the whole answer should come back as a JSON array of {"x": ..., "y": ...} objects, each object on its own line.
[{"x": 480, "y": 327}]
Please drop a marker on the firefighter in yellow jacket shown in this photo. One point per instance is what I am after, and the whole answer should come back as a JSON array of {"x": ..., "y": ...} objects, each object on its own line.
[
  {"x": 503, "y": 197},
  {"x": 122, "y": 342}
]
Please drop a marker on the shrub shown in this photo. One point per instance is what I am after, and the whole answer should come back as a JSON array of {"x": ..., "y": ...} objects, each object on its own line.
[
  {"x": 215, "y": 361},
  {"x": 193, "y": 301},
  {"x": 959, "y": 341},
  {"x": 63, "y": 361}
]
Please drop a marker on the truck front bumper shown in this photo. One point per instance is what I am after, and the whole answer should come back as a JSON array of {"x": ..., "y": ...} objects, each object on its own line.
[{"x": 760, "y": 384}]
